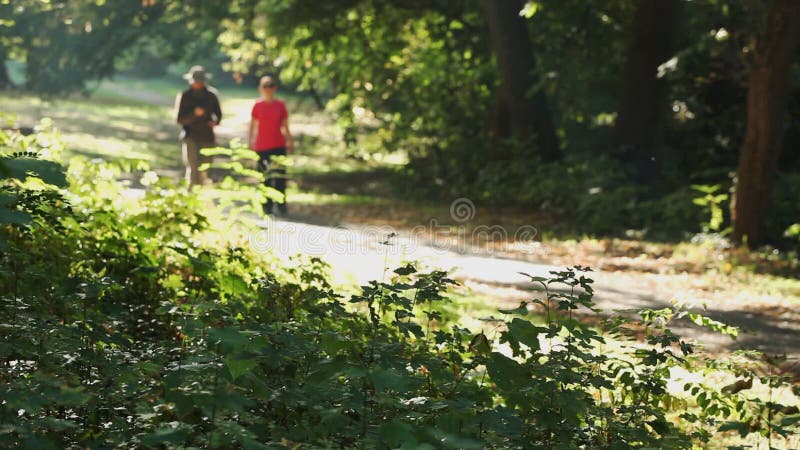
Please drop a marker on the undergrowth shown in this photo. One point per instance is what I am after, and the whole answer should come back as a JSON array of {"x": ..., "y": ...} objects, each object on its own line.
[{"x": 139, "y": 327}]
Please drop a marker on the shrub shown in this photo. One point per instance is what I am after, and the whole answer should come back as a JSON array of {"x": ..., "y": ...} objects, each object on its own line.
[{"x": 121, "y": 329}]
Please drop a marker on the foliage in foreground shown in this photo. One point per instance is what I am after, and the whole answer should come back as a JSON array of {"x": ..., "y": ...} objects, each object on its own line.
[{"x": 129, "y": 328}]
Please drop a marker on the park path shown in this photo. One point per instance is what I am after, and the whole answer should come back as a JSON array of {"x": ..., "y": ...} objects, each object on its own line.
[{"x": 357, "y": 254}]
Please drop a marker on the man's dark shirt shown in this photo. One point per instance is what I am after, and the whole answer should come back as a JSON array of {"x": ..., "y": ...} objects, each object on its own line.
[{"x": 196, "y": 127}]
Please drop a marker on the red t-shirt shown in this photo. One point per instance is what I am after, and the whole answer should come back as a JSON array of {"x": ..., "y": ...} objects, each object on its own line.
[{"x": 270, "y": 116}]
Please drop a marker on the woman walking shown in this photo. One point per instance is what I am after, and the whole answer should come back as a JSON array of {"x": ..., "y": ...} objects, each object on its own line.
[{"x": 269, "y": 136}]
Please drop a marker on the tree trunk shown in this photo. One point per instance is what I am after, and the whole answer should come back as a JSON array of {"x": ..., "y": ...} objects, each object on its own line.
[
  {"x": 768, "y": 88},
  {"x": 317, "y": 99},
  {"x": 5, "y": 79},
  {"x": 643, "y": 107},
  {"x": 527, "y": 116}
]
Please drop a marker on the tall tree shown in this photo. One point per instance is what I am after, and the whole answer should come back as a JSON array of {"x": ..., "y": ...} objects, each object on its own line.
[
  {"x": 65, "y": 44},
  {"x": 768, "y": 86},
  {"x": 643, "y": 105},
  {"x": 5, "y": 79},
  {"x": 519, "y": 113},
  {"x": 6, "y": 43}
]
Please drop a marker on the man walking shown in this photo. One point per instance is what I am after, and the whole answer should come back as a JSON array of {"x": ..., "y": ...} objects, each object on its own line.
[{"x": 198, "y": 113}]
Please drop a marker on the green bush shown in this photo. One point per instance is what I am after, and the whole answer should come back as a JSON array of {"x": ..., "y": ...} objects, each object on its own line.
[
  {"x": 132, "y": 325},
  {"x": 785, "y": 195},
  {"x": 588, "y": 195},
  {"x": 595, "y": 194}
]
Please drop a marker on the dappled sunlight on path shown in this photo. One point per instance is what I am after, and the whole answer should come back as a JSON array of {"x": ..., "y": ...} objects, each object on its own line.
[{"x": 359, "y": 254}]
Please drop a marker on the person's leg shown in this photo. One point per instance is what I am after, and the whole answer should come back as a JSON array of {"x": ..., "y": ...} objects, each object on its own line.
[
  {"x": 264, "y": 167},
  {"x": 191, "y": 159},
  {"x": 204, "y": 159},
  {"x": 279, "y": 183}
]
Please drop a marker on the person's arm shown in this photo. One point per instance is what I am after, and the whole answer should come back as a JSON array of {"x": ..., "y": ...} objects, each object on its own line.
[
  {"x": 286, "y": 133},
  {"x": 176, "y": 108},
  {"x": 217, "y": 111},
  {"x": 251, "y": 135},
  {"x": 253, "y": 131}
]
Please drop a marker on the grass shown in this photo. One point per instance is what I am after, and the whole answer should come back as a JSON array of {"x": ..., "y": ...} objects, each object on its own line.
[{"x": 103, "y": 127}]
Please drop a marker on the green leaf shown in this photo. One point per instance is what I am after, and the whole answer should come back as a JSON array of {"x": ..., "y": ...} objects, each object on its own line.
[
  {"x": 410, "y": 328},
  {"x": 22, "y": 168},
  {"x": 252, "y": 444},
  {"x": 505, "y": 372},
  {"x": 565, "y": 446},
  {"x": 454, "y": 441},
  {"x": 521, "y": 310},
  {"x": 60, "y": 425},
  {"x": 234, "y": 284},
  {"x": 534, "y": 279},
  {"x": 525, "y": 332},
  {"x": 389, "y": 379},
  {"x": 175, "y": 435},
  {"x": 714, "y": 325},
  {"x": 327, "y": 369},
  {"x": 35, "y": 443},
  {"x": 398, "y": 434},
  {"x": 13, "y": 216},
  {"x": 238, "y": 367},
  {"x": 405, "y": 270},
  {"x": 530, "y": 9},
  {"x": 228, "y": 338},
  {"x": 69, "y": 396},
  {"x": 332, "y": 343},
  {"x": 480, "y": 344},
  {"x": 789, "y": 421},
  {"x": 10, "y": 214},
  {"x": 660, "y": 426},
  {"x": 793, "y": 231}
]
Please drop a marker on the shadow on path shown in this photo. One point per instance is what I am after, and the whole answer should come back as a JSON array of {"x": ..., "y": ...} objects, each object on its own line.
[{"x": 355, "y": 253}]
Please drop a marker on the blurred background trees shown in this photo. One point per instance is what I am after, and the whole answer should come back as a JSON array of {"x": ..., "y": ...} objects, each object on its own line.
[
  {"x": 65, "y": 44},
  {"x": 613, "y": 114}
]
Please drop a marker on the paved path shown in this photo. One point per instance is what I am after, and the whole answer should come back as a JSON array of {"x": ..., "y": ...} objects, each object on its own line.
[{"x": 357, "y": 254}]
